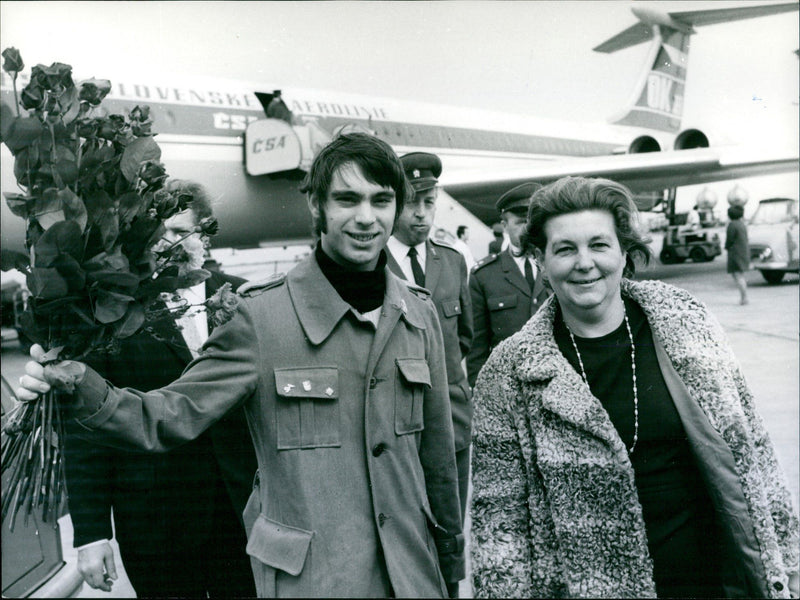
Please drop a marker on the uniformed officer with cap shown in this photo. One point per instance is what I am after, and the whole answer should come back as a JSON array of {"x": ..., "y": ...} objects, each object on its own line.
[
  {"x": 442, "y": 270},
  {"x": 506, "y": 288}
]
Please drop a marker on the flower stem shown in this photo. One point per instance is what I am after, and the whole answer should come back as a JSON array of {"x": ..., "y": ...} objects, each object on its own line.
[{"x": 16, "y": 99}]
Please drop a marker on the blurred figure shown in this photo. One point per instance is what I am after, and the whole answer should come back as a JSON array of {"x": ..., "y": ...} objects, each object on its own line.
[
  {"x": 506, "y": 288},
  {"x": 496, "y": 245},
  {"x": 462, "y": 236},
  {"x": 277, "y": 109},
  {"x": 177, "y": 515},
  {"x": 738, "y": 250},
  {"x": 618, "y": 452}
]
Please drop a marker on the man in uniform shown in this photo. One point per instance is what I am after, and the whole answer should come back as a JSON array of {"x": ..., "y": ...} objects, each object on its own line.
[
  {"x": 442, "y": 270},
  {"x": 340, "y": 368},
  {"x": 506, "y": 288}
]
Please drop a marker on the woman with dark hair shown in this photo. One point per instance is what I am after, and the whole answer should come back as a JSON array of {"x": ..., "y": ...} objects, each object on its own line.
[
  {"x": 616, "y": 447},
  {"x": 738, "y": 250}
]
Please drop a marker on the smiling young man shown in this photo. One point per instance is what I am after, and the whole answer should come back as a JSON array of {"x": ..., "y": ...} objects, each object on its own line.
[{"x": 341, "y": 371}]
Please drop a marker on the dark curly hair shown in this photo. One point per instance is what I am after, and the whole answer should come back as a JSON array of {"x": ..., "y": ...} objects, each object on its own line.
[
  {"x": 376, "y": 159},
  {"x": 576, "y": 194}
]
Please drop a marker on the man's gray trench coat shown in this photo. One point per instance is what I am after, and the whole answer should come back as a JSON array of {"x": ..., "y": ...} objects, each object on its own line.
[{"x": 352, "y": 430}]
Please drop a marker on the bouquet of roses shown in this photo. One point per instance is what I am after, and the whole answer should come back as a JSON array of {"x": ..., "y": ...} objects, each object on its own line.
[{"x": 94, "y": 201}]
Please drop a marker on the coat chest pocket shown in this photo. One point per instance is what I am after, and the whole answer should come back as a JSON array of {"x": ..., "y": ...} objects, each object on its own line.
[
  {"x": 411, "y": 380},
  {"x": 307, "y": 407},
  {"x": 501, "y": 302},
  {"x": 451, "y": 308}
]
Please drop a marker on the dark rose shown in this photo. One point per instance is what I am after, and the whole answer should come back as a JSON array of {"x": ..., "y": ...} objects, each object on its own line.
[
  {"x": 209, "y": 226},
  {"x": 32, "y": 96},
  {"x": 141, "y": 129},
  {"x": 140, "y": 113},
  {"x": 38, "y": 76},
  {"x": 94, "y": 90},
  {"x": 87, "y": 128},
  {"x": 184, "y": 200},
  {"x": 13, "y": 61},
  {"x": 165, "y": 204},
  {"x": 152, "y": 172},
  {"x": 111, "y": 126},
  {"x": 59, "y": 76}
]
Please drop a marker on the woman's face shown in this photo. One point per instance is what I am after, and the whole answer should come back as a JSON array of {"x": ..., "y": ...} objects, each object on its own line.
[{"x": 584, "y": 261}]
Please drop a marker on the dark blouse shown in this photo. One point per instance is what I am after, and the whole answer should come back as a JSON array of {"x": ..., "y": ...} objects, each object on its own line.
[{"x": 677, "y": 510}]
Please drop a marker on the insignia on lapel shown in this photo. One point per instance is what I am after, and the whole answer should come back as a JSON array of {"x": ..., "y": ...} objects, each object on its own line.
[
  {"x": 288, "y": 388},
  {"x": 307, "y": 385}
]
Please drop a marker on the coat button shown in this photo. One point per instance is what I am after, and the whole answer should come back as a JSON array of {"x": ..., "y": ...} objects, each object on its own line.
[
  {"x": 778, "y": 586},
  {"x": 382, "y": 518},
  {"x": 378, "y": 450},
  {"x": 372, "y": 383}
]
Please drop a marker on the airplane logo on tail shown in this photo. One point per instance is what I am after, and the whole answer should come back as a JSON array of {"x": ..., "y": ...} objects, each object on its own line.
[{"x": 657, "y": 102}]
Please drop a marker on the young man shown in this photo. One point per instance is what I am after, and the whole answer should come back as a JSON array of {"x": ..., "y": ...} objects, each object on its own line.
[
  {"x": 462, "y": 236},
  {"x": 177, "y": 515},
  {"x": 341, "y": 371},
  {"x": 442, "y": 270},
  {"x": 506, "y": 289}
]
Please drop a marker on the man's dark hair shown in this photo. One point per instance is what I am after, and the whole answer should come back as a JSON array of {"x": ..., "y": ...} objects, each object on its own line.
[
  {"x": 576, "y": 194},
  {"x": 460, "y": 231},
  {"x": 201, "y": 203},
  {"x": 377, "y": 161}
]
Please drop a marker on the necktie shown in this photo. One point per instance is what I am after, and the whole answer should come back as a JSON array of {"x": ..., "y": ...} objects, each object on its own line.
[
  {"x": 529, "y": 273},
  {"x": 416, "y": 269}
]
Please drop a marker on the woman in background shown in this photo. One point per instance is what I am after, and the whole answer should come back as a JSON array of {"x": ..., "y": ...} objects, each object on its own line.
[{"x": 738, "y": 250}]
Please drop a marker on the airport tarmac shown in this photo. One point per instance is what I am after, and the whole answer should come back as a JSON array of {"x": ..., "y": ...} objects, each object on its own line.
[{"x": 763, "y": 335}]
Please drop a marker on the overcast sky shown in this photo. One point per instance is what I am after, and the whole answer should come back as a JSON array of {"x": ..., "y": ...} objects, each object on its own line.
[{"x": 523, "y": 57}]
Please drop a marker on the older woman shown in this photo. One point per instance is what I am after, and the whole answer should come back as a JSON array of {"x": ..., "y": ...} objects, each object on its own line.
[{"x": 617, "y": 451}]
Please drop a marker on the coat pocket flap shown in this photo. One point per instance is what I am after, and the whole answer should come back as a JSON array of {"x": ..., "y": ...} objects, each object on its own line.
[
  {"x": 501, "y": 302},
  {"x": 279, "y": 546},
  {"x": 451, "y": 308},
  {"x": 414, "y": 370},
  {"x": 307, "y": 382}
]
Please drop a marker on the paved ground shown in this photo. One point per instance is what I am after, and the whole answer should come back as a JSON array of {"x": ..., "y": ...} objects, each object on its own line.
[{"x": 763, "y": 334}]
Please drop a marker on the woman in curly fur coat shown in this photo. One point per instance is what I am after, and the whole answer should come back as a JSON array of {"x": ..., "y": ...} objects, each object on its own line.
[{"x": 617, "y": 451}]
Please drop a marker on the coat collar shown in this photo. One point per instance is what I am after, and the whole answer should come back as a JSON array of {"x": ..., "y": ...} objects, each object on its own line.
[
  {"x": 513, "y": 275},
  {"x": 319, "y": 307},
  {"x": 679, "y": 322}
]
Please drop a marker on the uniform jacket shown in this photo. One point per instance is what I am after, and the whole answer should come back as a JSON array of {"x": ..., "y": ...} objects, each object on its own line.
[
  {"x": 159, "y": 500},
  {"x": 352, "y": 431},
  {"x": 446, "y": 278},
  {"x": 501, "y": 304},
  {"x": 555, "y": 510}
]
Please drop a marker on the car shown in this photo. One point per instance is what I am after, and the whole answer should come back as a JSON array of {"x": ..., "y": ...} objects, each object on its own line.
[{"x": 772, "y": 232}]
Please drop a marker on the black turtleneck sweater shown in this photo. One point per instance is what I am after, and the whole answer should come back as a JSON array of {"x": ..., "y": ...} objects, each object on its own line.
[{"x": 363, "y": 290}]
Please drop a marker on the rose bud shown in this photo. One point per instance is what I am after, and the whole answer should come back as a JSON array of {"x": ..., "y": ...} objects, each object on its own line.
[
  {"x": 12, "y": 62},
  {"x": 152, "y": 172},
  {"x": 209, "y": 226},
  {"x": 94, "y": 90}
]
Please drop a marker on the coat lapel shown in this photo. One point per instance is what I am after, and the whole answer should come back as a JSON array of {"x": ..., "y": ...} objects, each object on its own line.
[
  {"x": 433, "y": 266},
  {"x": 512, "y": 273},
  {"x": 318, "y": 306},
  {"x": 393, "y": 265}
]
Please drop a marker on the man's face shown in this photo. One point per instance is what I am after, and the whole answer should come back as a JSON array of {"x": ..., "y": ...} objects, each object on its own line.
[
  {"x": 416, "y": 220},
  {"x": 358, "y": 218},
  {"x": 515, "y": 227}
]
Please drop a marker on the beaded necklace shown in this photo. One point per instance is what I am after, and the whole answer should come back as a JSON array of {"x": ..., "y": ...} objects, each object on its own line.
[{"x": 633, "y": 370}]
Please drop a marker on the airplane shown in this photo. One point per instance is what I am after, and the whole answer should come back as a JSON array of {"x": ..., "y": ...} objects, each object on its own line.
[{"x": 217, "y": 132}]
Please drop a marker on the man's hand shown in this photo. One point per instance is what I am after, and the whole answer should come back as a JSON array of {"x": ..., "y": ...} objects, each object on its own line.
[
  {"x": 42, "y": 373},
  {"x": 33, "y": 384},
  {"x": 96, "y": 566}
]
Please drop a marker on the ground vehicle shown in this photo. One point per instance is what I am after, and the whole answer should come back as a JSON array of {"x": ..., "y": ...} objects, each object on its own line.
[
  {"x": 773, "y": 237},
  {"x": 681, "y": 242}
]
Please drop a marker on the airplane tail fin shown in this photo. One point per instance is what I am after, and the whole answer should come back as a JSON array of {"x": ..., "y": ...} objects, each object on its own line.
[{"x": 657, "y": 101}]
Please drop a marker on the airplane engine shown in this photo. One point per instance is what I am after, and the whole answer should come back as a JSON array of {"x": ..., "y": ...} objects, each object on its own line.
[
  {"x": 689, "y": 139},
  {"x": 644, "y": 143}
]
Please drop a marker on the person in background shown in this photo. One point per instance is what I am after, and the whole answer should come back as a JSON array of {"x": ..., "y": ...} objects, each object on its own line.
[
  {"x": 496, "y": 245},
  {"x": 462, "y": 236},
  {"x": 618, "y": 451},
  {"x": 506, "y": 288},
  {"x": 340, "y": 368},
  {"x": 177, "y": 515},
  {"x": 738, "y": 250},
  {"x": 442, "y": 270}
]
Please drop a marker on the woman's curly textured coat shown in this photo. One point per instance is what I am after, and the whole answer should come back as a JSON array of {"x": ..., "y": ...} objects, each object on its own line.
[{"x": 555, "y": 510}]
